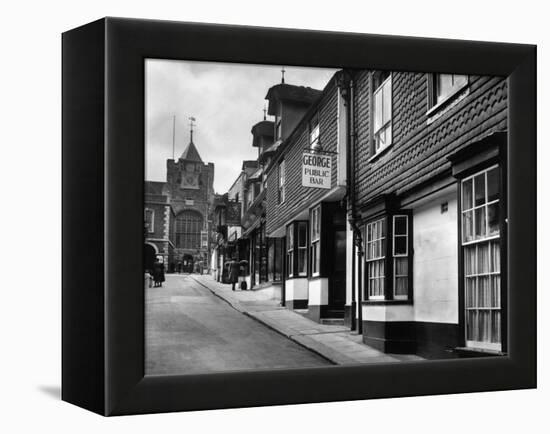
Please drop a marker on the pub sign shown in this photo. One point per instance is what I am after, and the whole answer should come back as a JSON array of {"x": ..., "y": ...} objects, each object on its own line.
[{"x": 316, "y": 170}]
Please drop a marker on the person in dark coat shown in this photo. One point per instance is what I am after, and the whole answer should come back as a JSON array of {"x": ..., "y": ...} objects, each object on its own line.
[
  {"x": 158, "y": 273},
  {"x": 234, "y": 268}
]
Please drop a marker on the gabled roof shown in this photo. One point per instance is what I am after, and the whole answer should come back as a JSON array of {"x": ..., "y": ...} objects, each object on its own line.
[
  {"x": 289, "y": 92},
  {"x": 190, "y": 153}
]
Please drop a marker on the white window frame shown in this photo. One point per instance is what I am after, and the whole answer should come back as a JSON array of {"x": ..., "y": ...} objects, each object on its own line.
[
  {"x": 474, "y": 208},
  {"x": 476, "y": 242},
  {"x": 315, "y": 241},
  {"x": 314, "y": 135},
  {"x": 400, "y": 255},
  {"x": 453, "y": 90},
  {"x": 382, "y": 258},
  {"x": 301, "y": 248},
  {"x": 151, "y": 229},
  {"x": 290, "y": 250},
  {"x": 388, "y": 124}
]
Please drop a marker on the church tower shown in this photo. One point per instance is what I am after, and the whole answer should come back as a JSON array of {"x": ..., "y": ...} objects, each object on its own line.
[{"x": 191, "y": 185}]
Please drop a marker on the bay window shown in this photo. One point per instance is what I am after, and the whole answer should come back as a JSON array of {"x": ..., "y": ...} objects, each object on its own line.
[{"x": 388, "y": 258}]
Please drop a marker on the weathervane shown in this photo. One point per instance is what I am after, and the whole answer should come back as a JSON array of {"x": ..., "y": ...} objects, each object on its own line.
[
  {"x": 283, "y": 75},
  {"x": 192, "y": 121},
  {"x": 265, "y": 110}
]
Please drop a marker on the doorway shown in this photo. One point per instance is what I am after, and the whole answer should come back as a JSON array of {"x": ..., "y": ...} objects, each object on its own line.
[
  {"x": 337, "y": 282},
  {"x": 187, "y": 263}
]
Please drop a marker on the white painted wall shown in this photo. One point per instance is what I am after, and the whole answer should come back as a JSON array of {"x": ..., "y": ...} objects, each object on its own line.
[
  {"x": 435, "y": 261},
  {"x": 296, "y": 289},
  {"x": 318, "y": 292},
  {"x": 401, "y": 312},
  {"x": 435, "y": 265}
]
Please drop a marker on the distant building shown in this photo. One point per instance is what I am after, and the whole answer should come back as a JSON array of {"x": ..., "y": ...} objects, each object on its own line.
[{"x": 178, "y": 211}]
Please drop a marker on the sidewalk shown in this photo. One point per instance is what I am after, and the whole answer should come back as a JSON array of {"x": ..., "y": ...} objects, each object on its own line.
[{"x": 334, "y": 342}]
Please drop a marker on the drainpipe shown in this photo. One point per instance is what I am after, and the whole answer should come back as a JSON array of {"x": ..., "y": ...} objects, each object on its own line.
[
  {"x": 356, "y": 290},
  {"x": 357, "y": 249}
]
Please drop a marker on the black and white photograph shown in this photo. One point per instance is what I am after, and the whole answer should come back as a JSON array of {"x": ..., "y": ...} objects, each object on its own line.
[
  {"x": 275, "y": 218},
  {"x": 299, "y": 217}
]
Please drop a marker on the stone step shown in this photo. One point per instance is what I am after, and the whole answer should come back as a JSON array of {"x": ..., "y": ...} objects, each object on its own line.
[{"x": 332, "y": 321}]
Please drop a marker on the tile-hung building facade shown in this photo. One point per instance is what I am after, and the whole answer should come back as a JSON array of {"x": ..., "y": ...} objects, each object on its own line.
[
  {"x": 428, "y": 198},
  {"x": 263, "y": 254},
  {"x": 404, "y": 239},
  {"x": 179, "y": 211},
  {"x": 306, "y": 210}
]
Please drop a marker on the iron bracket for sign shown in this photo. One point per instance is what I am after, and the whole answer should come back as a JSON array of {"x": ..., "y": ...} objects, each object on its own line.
[{"x": 320, "y": 152}]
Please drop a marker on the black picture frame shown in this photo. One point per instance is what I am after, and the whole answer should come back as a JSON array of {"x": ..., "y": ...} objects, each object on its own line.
[{"x": 103, "y": 167}]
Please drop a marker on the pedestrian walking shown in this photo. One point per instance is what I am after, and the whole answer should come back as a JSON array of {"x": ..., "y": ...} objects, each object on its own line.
[
  {"x": 234, "y": 268},
  {"x": 158, "y": 272}
]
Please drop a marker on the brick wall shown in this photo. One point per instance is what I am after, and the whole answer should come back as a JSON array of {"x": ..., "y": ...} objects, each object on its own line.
[
  {"x": 421, "y": 142},
  {"x": 298, "y": 198}
]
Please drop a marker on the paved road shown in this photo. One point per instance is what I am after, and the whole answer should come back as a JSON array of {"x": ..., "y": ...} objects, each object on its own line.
[{"x": 189, "y": 330}]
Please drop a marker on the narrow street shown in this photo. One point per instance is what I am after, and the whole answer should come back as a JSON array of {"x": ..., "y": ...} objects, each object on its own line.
[{"x": 189, "y": 330}]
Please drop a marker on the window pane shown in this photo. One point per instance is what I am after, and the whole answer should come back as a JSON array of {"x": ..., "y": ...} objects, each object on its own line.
[
  {"x": 470, "y": 292},
  {"x": 484, "y": 291},
  {"x": 386, "y": 102},
  {"x": 493, "y": 218},
  {"x": 495, "y": 326},
  {"x": 302, "y": 235},
  {"x": 377, "y": 111},
  {"x": 482, "y": 258},
  {"x": 479, "y": 189},
  {"x": 387, "y": 135},
  {"x": 302, "y": 262},
  {"x": 495, "y": 257},
  {"x": 400, "y": 227},
  {"x": 290, "y": 236},
  {"x": 400, "y": 245},
  {"x": 443, "y": 85},
  {"x": 470, "y": 260},
  {"x": 401, "y": 266},
  {"x": 401, "y": 286},
  {"x": 468, "y": 226},
  {"x": 467, "y": 192},
  {"x": 480, "y": 223},
  {"x": 492, "y": 184},
  {"x": 459, "y": 80}
]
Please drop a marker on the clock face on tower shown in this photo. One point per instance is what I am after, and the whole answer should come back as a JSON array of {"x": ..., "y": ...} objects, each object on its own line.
[{"x": 190, "y": 180}]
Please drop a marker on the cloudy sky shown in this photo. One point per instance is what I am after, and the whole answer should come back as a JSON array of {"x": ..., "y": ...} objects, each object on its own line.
[{"x": 225, "y": 99}]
